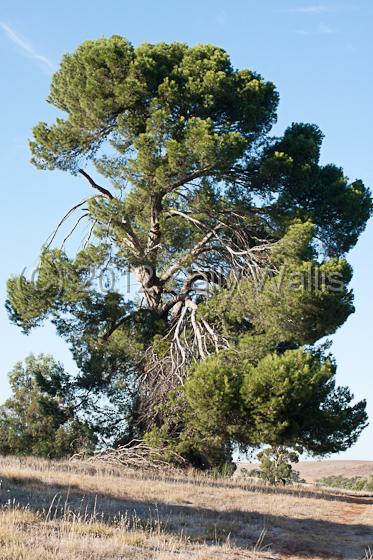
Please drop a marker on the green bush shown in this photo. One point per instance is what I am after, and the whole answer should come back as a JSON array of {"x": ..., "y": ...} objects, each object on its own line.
[
  {"x": 38, "y": 418},
  {"x": 355, "y": 483},
  {"x": 275, "y": 465}
]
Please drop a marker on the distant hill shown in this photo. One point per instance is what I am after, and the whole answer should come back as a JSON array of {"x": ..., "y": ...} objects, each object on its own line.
[{"x": 314, "y": 470}]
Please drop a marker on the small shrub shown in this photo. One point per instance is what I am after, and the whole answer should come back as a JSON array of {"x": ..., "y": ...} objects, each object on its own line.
[{"x": 275, "y": 465}]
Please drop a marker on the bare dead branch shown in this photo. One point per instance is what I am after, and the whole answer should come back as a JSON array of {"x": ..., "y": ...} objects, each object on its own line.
[
  {"x": 51, "y": 238},
  {"x": 187, "y": 217},
  {"x": 73, "y": 229},
  {"x": 88, "y": 238},
  {"x": 136, "y": 455}
]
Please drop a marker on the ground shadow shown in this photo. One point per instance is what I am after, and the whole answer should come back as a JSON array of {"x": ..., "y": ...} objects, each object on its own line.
[
  {"x": 302, "y": 491},
  {"x": 286, "y": 534}
]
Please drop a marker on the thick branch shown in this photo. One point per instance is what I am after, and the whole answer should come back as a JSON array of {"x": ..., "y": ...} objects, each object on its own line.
[
  {"x": 209, "y": 276},
  {"x": 154, "y": 231},
  {"x": 114, "y": 327},
  {"x": 188, "y": 178},
  {"x": 199, "y": 248},
  {"x": 93, "y": 184}
]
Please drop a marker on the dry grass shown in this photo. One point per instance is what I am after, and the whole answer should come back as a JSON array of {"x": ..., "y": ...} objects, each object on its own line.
[{"x": 70, "y": 511}]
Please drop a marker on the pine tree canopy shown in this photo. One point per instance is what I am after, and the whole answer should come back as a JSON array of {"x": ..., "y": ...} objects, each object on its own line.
[{"x": 236, "y": 240}]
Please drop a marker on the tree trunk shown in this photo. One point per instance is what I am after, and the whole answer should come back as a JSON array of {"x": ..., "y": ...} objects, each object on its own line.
[{"x": 151, "y": 285}]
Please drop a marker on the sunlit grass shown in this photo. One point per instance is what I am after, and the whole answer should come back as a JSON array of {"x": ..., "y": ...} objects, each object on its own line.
[{"x": 70, "y": 511}]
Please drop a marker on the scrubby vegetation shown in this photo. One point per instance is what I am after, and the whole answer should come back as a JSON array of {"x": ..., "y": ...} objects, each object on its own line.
[
  {"x": 275, "y": 466},
  {"x": 356, "y": 483}
]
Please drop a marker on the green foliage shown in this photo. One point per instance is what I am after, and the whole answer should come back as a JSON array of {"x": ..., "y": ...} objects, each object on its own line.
[
  {"x": 287, "y": 399},
  {"x": 178, "y": 434},
  {"x": 296, "y": 403},
  {"x": 199, "y": 190},
  {"x": 143, "y": 94},
  {"x": 38, "y": 418},
  {"x": 172, "y": 112},
  {"x": 293, "y": 300},
  {"x": 276, "y": 465},
  {"x": 356, "y": 483},
  {"x": 310, "y": 191}
]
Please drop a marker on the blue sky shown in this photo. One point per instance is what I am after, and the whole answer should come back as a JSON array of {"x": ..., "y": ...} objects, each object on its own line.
[{"x": 318, "y": 54}]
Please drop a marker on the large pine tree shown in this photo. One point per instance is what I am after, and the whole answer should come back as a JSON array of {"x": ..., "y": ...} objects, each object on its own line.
[{"x": 236, "y": 239}]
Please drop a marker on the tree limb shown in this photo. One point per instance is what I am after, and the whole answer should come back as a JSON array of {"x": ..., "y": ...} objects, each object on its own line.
[
  {"x": 154, "y": 230},
  {"x": 51, "y": 238},
  {"x": 187, "y": 217},
  {"x": 188, "y": 178},
  {"x": 199, "y": 248},
  {"x": 93, "y": 184},
  {"x": 73, "y": 229},
  {"x": 131, "y": 241}
]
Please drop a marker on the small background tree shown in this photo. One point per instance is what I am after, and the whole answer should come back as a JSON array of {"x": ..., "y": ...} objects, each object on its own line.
[
  {"x": 38, "y": 419},
  {"x": 276, "y": 465}
]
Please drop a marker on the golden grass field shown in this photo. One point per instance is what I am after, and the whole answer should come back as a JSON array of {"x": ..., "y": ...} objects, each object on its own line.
[{"x": 71, "y": 511}]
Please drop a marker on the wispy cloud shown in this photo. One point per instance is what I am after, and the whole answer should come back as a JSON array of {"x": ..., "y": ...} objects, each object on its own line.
[
  {"x": 312, "y": 10},
  {"x": 26, "y": 47},
  {"x": 318, "y": 9},
  {"x": 322, "y": 28}
]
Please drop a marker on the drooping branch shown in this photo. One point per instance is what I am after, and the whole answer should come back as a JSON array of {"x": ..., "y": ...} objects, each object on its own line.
[
  {"x": 73, "y": 229},
  {"x": 91, "y": 229},
  {"x": 130, "y": 240},
  {"x": 52, "y": 237}
]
